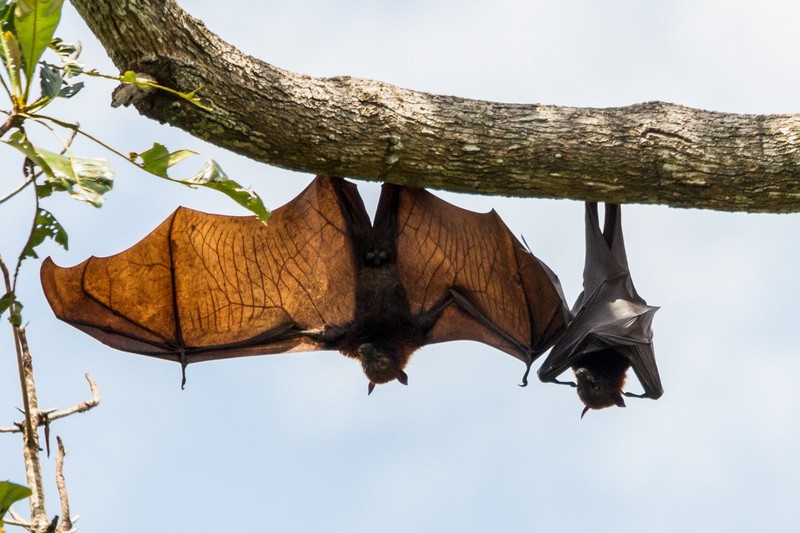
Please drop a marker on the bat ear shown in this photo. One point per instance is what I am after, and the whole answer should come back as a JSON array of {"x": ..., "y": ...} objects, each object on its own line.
[
  {"x": 370, "y": 388},
  {"x": 585, "y": 409},
  {"x": 619, "y": 401},
  {"x": 402, "y": 377}
]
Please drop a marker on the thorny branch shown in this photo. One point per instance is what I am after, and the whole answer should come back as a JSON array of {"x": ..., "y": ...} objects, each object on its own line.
[
  {"x": 48, "y": 415},
  {"x": 35, "y": 417}
]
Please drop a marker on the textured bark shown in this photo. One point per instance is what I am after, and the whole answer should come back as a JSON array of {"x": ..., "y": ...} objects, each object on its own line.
[{"x": 646, "y": 153}]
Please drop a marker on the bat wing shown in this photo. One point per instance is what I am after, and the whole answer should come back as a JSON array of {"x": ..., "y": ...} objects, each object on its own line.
[
  {"x": 472, "y": 275},
  {"x": 209, "y": 286},
  {"x": 609, "y": 313}
]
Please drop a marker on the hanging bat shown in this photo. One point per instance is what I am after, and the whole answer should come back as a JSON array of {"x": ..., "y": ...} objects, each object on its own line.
[
  {"x": 318, "y": 276},
  {"x": 611, "y": 331}
]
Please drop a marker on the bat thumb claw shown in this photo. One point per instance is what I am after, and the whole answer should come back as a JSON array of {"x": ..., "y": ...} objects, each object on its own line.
[{"x": 525, "y": 377}]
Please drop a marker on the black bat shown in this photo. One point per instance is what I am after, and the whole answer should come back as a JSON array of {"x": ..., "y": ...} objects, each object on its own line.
[
  {"x": 611, "y": 331},
  {"x": 318, "y": 276}
]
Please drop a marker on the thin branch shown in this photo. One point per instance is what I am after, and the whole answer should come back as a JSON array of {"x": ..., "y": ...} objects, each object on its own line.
[
  {"x": 11, "y": 121},
  {"x": 19, "y": 333},
  {"x": 48, "y": 415},
  {"x": 83, "y": 406},
  {"x": 17, "y": 520},
  {"x": 19, "y": 189},
  {"x": 61, "y": 484}
]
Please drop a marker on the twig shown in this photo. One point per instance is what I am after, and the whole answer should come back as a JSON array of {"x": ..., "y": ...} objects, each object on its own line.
[
  {"x": 16, "y": 520},
  {"x": 83, "y": 406},
  {"x": 19, "y": 189},
  {"x": 66, "y": 521},
  {"x": 48, "y": 415}
]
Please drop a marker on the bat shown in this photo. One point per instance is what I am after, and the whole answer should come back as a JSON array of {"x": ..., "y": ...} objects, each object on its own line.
[
  {"x": 318, "y": 276},
  {"x": 612, "y": 326}
]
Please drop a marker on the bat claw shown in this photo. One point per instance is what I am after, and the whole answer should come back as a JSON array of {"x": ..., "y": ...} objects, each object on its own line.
[{"x": 525, "y": 377}]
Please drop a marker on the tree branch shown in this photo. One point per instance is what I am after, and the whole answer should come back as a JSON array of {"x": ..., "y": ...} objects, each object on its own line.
[
  {"x": 61, "y": 484},
  {"x": 646, "y": 153},
  {"x": 83, "y": 406},
  {"x": 16, "y": 520},
  {"x": 48, "y": 415}
]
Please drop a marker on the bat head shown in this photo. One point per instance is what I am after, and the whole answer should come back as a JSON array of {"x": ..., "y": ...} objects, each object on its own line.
[
  {"x": 601, "y": 376},
  {"x": 380, "y": 364}
]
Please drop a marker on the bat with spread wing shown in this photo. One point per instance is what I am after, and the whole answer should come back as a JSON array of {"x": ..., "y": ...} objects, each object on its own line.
[
  {"x": 611, "y": 331},
  {"x": 318, "y": 276}
]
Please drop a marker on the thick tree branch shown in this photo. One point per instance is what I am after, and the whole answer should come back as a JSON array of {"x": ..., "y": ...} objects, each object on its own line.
[{"x": 645, "y": 153}]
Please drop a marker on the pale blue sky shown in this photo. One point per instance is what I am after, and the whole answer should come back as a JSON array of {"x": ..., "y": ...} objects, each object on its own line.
[{"x": 293, "y": 443}]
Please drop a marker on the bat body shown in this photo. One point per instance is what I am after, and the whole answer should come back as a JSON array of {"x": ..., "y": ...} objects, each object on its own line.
[
  {"x": 611, "y": 331},
  {"x": 318, "y": 276}
]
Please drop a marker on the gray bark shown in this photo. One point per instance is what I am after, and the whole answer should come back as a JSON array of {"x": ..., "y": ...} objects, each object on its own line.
[{"x": 654, "y": 152}]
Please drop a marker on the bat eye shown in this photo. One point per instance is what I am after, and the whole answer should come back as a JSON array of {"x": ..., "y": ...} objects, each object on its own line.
[{"x": 376, "y": 257}]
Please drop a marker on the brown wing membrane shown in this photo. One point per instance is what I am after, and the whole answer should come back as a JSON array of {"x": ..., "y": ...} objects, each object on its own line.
[
  {"x": 207, "y": 286},
  {"x": 502, "y": 295}
]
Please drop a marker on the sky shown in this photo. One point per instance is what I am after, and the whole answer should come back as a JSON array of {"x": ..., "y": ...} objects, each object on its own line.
[{"x": 293, "y": 442}]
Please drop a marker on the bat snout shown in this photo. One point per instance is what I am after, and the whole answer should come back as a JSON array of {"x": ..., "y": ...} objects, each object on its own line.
[{"x": 380, "y": 365}]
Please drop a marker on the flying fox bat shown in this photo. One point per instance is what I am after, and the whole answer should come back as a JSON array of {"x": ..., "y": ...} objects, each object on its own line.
[
  {"x": 318, "y": 276},
  {"x": 611, "y": 331}
]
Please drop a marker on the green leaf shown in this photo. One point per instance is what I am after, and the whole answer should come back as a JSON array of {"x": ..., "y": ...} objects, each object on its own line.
[
  {"x": 61, "y": 48},
  {"x": 20, "y": 141},
  {"x": 213, "y": 177},
  {"x": 130, "y": 76},
  {"x": 46, "y": 226},
  {"x": 70, "y": 90},
  {"x": 13, "y": 61},
  {"x": 85, "y": 179},
  {"x": 51, "y": 81},
  {"x": 158, "y": 159},
  {"x": 16, "y": 314},
  {"x": 6, "y": 301},
  {"x": 35, "y": 22},
  {"x": 10, "y": 493},
  {"x": 68, "y": 53}
]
